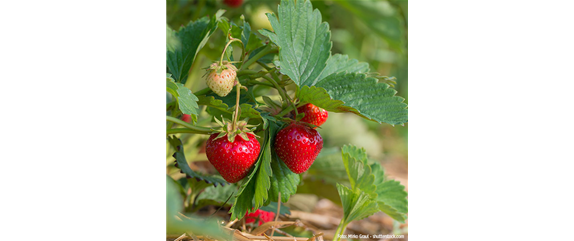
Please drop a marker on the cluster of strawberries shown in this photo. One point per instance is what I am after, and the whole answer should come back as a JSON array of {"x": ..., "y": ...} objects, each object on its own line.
[{"x": 297, "y": 145}]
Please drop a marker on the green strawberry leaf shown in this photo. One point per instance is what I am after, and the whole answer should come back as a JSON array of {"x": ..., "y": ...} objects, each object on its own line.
[
  {"x": 172, "y": 42},
  {"x": 184, "y": 166},
  {"x": 176, "y": 224},
  {"x": 283, "y": 180},
  {"x": 263, "y": 182},
  {"x": 342, "y": 84},
  {"x": 359, "y": 94},
  {"x": 213, "y": 195},
  {"x": 368, "y": 179},
  {"x": 192, "y": 38},
  {"x": 186, "y": 100},
  {"x": 339, "y": 63},
  {"x": 304, "y": 42},
  {"x": 249, "y": 39},
  {"x": 359, "y": 173},
  {"x": 356, "y": 204},
  {"x": 328, "y": 167},
  {"x": 392, "y": 199}
]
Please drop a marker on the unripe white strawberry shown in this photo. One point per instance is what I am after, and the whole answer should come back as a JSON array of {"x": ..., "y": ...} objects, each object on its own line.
[{"x": 221, "y": 79}]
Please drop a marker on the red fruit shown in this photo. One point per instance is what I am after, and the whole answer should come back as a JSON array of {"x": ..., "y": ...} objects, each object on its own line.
[
  {"x": 298, "y": 145},
  {"x": 263, "y": 216},
  {"x": 234, "y": 159},
  {"x": 233, "y": 3},
  {"x": 313, "y": 114},
  {"x": 186, "y": 118}
]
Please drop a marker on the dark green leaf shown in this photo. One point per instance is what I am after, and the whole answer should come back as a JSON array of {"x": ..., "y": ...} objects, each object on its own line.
[
  {"x": 192, "y": 38},
  {"x": 177, "y": 224},
  {"x": 184, "y": 166},
  {"x": 283, "y": 180}
]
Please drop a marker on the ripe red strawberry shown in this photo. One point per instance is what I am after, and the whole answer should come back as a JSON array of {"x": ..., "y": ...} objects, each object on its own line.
[
  {"x": 313, "y": 114},
  {"x": 221, "y": 79},
  {"x": 233, "y": 3},
  {"x": 263, "y": 216},
  {"x": 298, "y": 145},
  {"x": 234, "y": 159}
]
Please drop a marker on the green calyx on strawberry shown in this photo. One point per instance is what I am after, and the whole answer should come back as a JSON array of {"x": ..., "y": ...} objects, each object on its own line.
[
  {"x": 233, "y": 157},
  {"x": 298, "y": 145},
  {"x": 221, "y": 78}
]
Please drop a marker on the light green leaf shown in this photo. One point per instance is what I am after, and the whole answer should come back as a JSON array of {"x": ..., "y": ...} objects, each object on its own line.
[
  {"x": 393, "y": 213},
  {"x": 392, "y": 199},
  {"x": 186, "y": 100},
  {"x": 359, "y": 94},
  {"x": 192, "y": 38},
  {"x": 369, "y": 179},
  {"x": 328, "y": 167},
  {"x": 172, "y": 41},
  {"x": 356, "y": 204},
  {"x": 304, "y": 42},
  {"x": 360, "y": 176},
  {"x": 339, "y": 63}
]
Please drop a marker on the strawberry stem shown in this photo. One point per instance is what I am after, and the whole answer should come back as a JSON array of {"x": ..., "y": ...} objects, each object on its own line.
[
  {"x": 268, "y": 49},
  {"x": 236, "y": 113},
  {"x": 198, "y": 129},
  {"x": 282, "y": 92},
  {"x": 227, "y": 45}
]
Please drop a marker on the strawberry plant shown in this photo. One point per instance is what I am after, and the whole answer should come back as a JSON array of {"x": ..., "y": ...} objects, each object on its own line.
[{"x": 267, "y": 92}]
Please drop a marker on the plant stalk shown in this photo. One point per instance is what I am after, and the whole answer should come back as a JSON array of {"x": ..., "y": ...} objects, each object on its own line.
[
  {"x": 199, "y": 129},
  {"x": 236, "y": 114},
  {"x": 283, "y": 94},
  {"x": 227, "y": 45},
  {"x": 268, "y": 49},
  {"x": 340, "y": 230}
]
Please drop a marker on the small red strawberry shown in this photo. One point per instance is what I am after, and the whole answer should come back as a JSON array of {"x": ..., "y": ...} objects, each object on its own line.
[
  {"x": 233, "y": 3},
  {"x": 221, "y": 78},
  {"x": 297, "y": 145},
  {"x": 263, "y": 216},
  {"x": 186, "y": 118},
  {"x": 313, "y": 114},
  {"x": 234, "y": 159}
]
